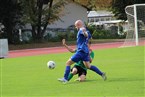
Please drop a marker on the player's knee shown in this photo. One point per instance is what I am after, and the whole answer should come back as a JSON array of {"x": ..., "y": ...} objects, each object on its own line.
[
  {"x": 69, "y": 62},
  {"x": 82, "y": 78},
  {"x": 74, "y": 71},
  {"x": 88, "y": 67},
  {"x": 87, "y": 64}
]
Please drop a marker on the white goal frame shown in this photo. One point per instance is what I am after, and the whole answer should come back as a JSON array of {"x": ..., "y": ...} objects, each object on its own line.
[
  {"x": 134, "y": 15},
  {"x": 3, "y": 48}
]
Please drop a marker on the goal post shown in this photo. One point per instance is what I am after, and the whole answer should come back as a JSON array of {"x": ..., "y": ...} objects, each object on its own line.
[
  {"x": 3, "y": 48},
  {"x": 136, "y": 24}
]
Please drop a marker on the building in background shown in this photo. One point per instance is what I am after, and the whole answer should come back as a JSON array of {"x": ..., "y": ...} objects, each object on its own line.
[
  {"x": 106, "y": 20},
  {"x": 102, "y": 17},
  {"x": 72, "y": 12}
]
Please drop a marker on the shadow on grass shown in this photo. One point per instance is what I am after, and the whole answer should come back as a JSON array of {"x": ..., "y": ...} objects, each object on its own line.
[
  {"x": 78, "y": 82},
  {"x": 108, "y": 80}
]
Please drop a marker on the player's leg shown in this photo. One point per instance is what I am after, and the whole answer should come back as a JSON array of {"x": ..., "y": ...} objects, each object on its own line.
[
  {"x": 95, "y": 69},
  {"x": 82, "y": 78},
  {"x": 73, "y": 72},
  {"x": 75, "y": 58},
  {"x": 81, "y": 74},
  {"x": 98, "y": 71},
  {"x": 67, "y": 69}
]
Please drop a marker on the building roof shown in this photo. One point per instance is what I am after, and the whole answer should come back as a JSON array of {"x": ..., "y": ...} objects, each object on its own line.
[
  {"x": 102, "y": 13},
  {"x": 106, "y": 22}
]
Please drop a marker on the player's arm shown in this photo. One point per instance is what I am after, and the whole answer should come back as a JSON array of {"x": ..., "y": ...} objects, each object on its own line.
[
  {"x": 85, "y": 32},
  {"x": 67, "y": 47}
]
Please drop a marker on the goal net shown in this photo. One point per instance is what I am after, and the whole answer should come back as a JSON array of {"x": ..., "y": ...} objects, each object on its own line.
[{"x": 136, "y": 24}]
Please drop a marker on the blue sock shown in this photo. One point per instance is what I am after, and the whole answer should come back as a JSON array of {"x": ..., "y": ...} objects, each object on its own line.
[
  {"x": 95, "y": 69},
  {"x": 67, "y": 71}
]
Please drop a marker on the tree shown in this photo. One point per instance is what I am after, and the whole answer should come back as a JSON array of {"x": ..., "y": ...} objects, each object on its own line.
[
  {"x": 95, "y": 4},
  {"x": 40, "y": 13},
  {"x": 118, "y": 7},
  {"x": 9, "y": 16}
]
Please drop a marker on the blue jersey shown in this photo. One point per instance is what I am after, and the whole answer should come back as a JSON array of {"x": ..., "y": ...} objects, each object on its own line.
[
  {"x": 82, "y": 41},
  {"x": 82, "y": 53}
]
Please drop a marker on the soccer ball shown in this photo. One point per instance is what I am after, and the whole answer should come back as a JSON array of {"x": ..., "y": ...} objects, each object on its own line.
[{"x": 51, "y": 64}]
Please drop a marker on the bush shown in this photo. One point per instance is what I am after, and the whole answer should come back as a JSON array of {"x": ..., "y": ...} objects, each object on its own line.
[
  {"x": 98, "y": 32},
  {"x": 91, "y": 28},
  {"x": 72, "y": 36},
  {"x": 48, "y": 37},
  {"x": 61, "y": 35}
]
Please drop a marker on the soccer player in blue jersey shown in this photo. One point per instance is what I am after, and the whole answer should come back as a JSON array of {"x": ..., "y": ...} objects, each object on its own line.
[
  {"x": 82, "y": 53},
  {"x": 79, "y": 68}
]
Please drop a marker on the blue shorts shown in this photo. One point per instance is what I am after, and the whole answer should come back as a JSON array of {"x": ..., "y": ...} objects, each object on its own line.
[{"x": 80, "y": 56}]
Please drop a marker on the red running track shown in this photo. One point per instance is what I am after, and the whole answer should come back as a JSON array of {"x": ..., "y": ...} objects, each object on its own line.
[{"x": 52, "y": 50}]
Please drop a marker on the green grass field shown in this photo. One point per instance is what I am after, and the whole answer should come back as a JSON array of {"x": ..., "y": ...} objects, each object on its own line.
[{"x": 30, "y": 77}]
